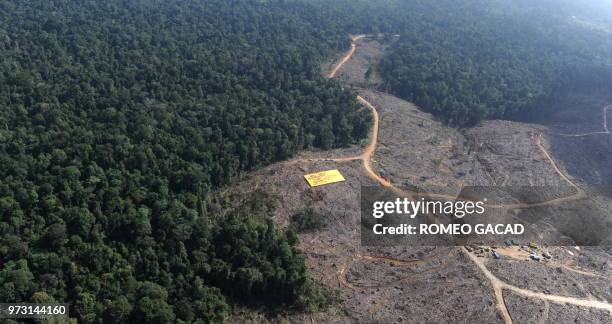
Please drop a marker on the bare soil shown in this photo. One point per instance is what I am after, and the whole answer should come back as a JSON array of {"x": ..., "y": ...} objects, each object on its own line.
[
  {"x": 579, "y": 134},
  {"x": 443, "y": 284},
  {"x": 416, "y": 149},
  {"x": 355, "y": 72},
  {"x": 527, "y": 310}
]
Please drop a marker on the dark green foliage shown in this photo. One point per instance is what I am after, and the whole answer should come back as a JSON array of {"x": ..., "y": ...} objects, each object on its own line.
[
  {"x": 307, "y": 219},
  {"x": 117, "y": 121},
  {"x": 259, "y": 263},
  {"x": 465, "y": 60},
  {"x": 469, "y": 60}
]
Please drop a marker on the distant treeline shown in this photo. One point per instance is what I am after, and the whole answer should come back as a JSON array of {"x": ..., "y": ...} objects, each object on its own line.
[
  {"x": 474, "y": 59},
  {"x": 469, "y": 60}
]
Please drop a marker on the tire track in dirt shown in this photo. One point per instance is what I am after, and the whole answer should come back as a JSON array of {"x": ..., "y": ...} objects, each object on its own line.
[
  {"x": 585, "y": 272},
  {"x": 342, "y": 272},
  {"x": 524, "y": 256},
  {"x": 346, "y": 57},
  {"x": 498, "y": 287},
  {"x": 605, "y": 126}
]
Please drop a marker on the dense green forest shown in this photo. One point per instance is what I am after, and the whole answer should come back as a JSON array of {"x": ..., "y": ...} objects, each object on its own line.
[
  {"x": 469, "y": 60},
  {"x": 475, "y": 59},
  {"x": 119, "y": 118}
]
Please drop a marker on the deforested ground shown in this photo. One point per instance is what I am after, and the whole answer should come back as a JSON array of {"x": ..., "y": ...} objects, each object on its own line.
[{"x": 447, "y": 284}]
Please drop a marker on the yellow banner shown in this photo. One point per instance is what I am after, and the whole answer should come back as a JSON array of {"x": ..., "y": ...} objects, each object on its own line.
[{"x": 323, "y": 178}]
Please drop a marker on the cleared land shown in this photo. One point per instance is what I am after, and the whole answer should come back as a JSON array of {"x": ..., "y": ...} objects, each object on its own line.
[{"x": 403, "y": 284}]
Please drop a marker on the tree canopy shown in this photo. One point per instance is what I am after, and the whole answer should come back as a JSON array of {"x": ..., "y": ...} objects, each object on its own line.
[
  {"x": 119, "y": 119},
  {"x": 469, "y": 60}
]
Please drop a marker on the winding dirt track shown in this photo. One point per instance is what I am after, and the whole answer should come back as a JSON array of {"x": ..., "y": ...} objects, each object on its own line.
[
  {"x": 366, "y": 157},
  {"x": 346, "y": 57},
  {"x": 497, "y": 284},
  {"x": 605, "y": 126},
  {"x": 396, "y": 262}
]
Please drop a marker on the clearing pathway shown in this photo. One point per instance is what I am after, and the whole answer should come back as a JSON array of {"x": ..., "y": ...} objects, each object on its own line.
[
  {"x": 605, "y": 126},
  {"x": 497, "y": 284}
]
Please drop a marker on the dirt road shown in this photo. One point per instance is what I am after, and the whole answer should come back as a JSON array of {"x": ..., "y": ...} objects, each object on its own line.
[
  {"x": 366, "y": 157},
  {"x": 497, "y": 284},
  {"x": 346, "y": 57},
  {"x": 605, "y": 127}
]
